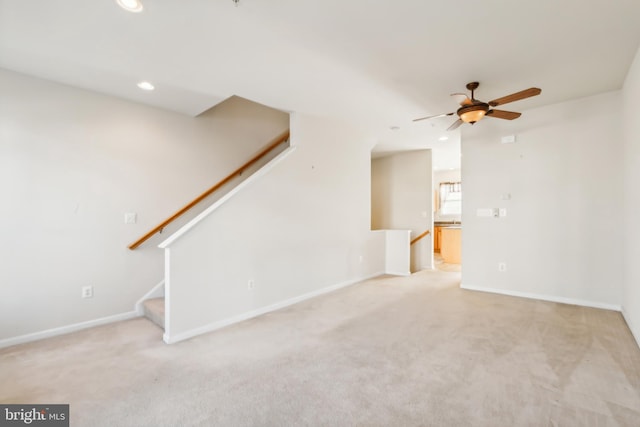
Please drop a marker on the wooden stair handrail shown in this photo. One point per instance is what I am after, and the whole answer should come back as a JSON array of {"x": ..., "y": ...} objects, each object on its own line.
[
  {"x": 277, "y": 141},
  {"x": 419, "y": 237}
]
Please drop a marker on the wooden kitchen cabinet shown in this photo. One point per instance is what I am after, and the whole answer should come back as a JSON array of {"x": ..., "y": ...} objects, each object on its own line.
[
  {"x": 437, "y": 238},
  {"x": 451, "y": 245}
]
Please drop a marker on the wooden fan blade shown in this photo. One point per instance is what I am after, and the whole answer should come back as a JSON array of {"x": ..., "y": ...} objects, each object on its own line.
[
  {"x": 463, "y": 101},
  {"x": 527, "y": 93},
  {"x": 433, "y": 117},
  {"x": 501, "y": 114},
  {"x": 455, "y": 124}
]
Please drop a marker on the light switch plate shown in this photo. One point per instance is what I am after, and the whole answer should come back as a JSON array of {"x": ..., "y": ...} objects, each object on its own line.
[
  {"x": 130, "y": 218},
  {"x": 509, "y": 139}
]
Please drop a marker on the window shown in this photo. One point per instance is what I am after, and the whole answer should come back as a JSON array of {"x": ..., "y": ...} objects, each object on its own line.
[{"x": 450, "y": 198}]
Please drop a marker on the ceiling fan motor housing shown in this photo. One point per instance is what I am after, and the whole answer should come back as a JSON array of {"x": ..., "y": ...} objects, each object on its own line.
[{"x": 474, "y": 112}]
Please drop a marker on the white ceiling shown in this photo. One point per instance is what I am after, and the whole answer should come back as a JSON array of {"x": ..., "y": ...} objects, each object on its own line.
[{"x": 374, "y": 63}]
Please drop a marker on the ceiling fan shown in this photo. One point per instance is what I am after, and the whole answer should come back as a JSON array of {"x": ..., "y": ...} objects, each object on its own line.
[{"x": 472, "y": 110}]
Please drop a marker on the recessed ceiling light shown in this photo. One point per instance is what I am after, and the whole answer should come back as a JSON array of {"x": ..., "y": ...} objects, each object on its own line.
[
  {"x": 443, "y": 138},
  {"x": 130, "y": 5},
  {"x": 146, "y": 86}
]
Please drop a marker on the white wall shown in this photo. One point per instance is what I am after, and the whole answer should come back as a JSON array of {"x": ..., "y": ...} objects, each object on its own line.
[
  {"x": 298, "y": 230},
  {"x": 72, "y": 162},
  {"x": 631, "y": 291},
  {"x": 402, "y": 199},
  {"x": 562, "y": 237},
  {"x": 397, "y": 252}
]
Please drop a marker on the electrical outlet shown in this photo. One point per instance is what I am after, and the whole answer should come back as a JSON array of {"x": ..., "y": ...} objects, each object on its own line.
[
  {"x": 87, "y": 292},
  {"x": 251, "y": 285},
  {"x": 502, "y": 267}
]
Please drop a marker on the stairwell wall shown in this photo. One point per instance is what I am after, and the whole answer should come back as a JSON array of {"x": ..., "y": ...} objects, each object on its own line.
[
  {"x": 72, "y": 162},
  {"x": 301, "y": 229},
  {"x": 401, "y": 199}
]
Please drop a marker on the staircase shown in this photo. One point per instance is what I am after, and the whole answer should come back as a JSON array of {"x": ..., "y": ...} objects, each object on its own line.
[
  {"x": 154, "y": 310},
  {"x": 152, "y": 304}
]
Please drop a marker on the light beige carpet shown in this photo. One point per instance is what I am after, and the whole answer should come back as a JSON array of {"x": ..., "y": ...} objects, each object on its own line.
[
  {"x": 439, "y": 264},
  {"x": 414, "y": 351}
]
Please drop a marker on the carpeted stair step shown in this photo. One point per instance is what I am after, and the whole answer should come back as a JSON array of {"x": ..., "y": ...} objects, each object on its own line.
[{"x": 154, "y": 311}]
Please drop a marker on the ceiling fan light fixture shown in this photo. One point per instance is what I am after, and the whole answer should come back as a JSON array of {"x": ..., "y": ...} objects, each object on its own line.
[
  {"x": 130, "y": 5},
  {"x": 472, "y": 110},
  {"x": 472, "y": 116},
  {"x": 473, "y": 113}
]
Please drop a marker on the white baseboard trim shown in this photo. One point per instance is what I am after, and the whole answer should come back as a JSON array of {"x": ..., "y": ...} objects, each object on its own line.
[
  {"x": 551, "y": 298},
  {"x": 8, "y": 342},
  {"x": 634, "y": 333},
  {"x": 399, "y": 273},
  {"x": 371, "y": 276},
  {"x": 172, "y": 339},
  {"x": 156, "y": 292}
]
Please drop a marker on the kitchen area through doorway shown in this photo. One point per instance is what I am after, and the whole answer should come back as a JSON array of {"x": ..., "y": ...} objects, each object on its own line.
[{"x": 447, "y": 220}]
